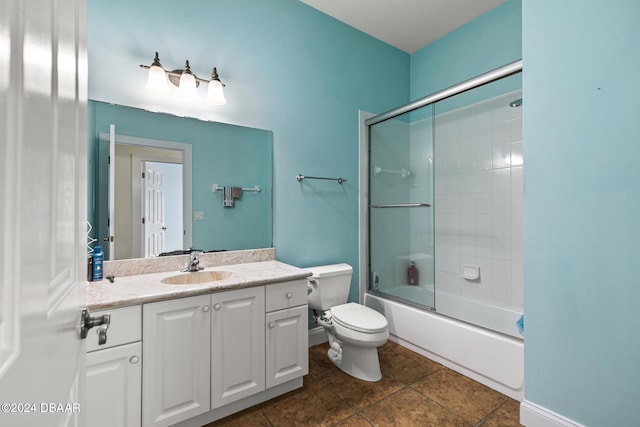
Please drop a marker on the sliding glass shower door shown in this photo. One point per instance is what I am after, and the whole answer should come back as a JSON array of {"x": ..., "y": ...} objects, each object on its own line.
[{"x": 401, "y": 216}]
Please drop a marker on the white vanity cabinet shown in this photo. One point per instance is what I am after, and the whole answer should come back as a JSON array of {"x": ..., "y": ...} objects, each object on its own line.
[
  {"x": 114, "y": 371},
  {"x": 207, "y": 356},
  {"x": 176, "y": 375},
  {"x": 237, "y": 344},
  {"x": 287, "y": 355}
]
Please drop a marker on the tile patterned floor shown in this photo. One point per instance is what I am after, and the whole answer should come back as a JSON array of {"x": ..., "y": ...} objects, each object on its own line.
[{"x": 414, "y": 391}]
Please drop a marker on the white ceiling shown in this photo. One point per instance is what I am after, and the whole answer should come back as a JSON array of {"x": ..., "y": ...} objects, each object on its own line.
[{"x": 405, "y": 24}]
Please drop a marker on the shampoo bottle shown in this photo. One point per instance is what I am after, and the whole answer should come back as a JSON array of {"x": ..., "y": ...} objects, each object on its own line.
[
  {"x": 413, "y": 275},
  {"x": 98, "y": 257}
]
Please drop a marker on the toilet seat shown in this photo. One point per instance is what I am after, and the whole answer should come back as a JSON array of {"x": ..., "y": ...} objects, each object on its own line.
[{"x": 359, "y": 318}]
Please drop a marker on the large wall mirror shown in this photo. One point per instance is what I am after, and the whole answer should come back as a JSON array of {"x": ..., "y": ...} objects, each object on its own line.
[{"x": 188, "y": 158}]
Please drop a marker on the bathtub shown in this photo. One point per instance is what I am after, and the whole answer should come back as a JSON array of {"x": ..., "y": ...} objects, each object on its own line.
[
  {"x": 492, "y": 358},
  {"x": 496, "y": 318}
]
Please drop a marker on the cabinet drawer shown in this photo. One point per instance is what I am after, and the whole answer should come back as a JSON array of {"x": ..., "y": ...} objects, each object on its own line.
[
  {"x": 125, "y": 327},
  {"x": 286, "y": 294}
]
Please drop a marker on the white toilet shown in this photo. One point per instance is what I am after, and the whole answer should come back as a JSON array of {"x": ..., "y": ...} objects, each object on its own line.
[{"x": 354, "y": 331}]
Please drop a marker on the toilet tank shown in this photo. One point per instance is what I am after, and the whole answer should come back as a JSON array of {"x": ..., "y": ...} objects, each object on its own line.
[{"x": 329, "y": 285}]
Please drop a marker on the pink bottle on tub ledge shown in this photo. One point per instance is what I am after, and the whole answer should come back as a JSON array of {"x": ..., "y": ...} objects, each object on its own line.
[{"x": 413, "y": 275}]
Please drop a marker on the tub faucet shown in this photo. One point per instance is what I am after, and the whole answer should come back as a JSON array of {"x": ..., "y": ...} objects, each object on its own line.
[{"x": 194, "y": 263}]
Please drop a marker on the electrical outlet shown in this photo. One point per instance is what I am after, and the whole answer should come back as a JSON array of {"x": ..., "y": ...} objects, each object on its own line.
[{"x": 198, "y": 216}]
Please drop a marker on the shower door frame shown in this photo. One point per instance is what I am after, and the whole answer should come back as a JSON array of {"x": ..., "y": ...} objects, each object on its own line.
[{"x": 367, "y": 120}]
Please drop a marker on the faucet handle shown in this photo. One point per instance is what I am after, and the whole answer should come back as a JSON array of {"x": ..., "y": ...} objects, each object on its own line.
[{"x": 194, "y": 263}]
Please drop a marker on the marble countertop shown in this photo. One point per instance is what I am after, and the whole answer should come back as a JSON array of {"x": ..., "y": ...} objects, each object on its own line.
[{"x": 145, "y": 288}]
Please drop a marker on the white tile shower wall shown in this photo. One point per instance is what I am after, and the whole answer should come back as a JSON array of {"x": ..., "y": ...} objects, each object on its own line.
[{"x": 478, "y": 201}]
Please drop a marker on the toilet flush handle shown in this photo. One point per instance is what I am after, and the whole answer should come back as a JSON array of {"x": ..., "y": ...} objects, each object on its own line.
[{"x": 310, "y": 282}]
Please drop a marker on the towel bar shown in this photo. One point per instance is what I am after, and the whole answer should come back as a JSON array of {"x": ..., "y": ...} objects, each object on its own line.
[
  {"x": 255, "y": 189},
  {"x": 301, "y": 177}
]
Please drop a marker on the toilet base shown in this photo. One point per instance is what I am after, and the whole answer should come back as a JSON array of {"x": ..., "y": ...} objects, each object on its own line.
[{"x": 359, "y": 362}]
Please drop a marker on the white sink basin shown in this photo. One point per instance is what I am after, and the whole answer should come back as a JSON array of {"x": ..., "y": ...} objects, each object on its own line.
[{"x": 196, "y": 277}]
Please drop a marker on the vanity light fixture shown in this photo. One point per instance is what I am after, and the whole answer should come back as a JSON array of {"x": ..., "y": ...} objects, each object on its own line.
[{"x": 185, "y": 80}]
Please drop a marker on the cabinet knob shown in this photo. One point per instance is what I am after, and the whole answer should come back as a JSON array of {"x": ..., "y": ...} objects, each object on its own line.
[
  {"x": 134, "y": 359},
  {"x": 206, "y": 308},
  {"x": 272, "y": 325},
  {"x": 217, "y": 306},
  {"x": 289, "y": 294}
]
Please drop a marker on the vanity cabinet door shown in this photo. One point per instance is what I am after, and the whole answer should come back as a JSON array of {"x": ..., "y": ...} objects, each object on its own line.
[
  {"x": 114, "y": 381},
  {"x": 237, "y": 345},
  {"x": 287, "y": 355},
  {"x": 176, "y": 372}
]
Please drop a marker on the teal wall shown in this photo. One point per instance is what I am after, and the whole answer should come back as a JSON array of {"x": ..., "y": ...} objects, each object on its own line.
[
  {"x": 488, "y": 42},
  {"x": 288, "y": 68},
  {"x": 581, "y": 208}
]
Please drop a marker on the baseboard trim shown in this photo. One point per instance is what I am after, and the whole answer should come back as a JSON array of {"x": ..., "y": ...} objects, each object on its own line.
[
  {"x": 317, "y": 336},
  {"x": 532, "y": 415}
]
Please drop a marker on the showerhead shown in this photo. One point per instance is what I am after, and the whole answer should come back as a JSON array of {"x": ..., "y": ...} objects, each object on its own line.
[{"x": 516, "y": 103}]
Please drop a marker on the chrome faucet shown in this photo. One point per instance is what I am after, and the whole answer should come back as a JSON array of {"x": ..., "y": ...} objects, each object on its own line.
[{"x": 194, "y": 263}]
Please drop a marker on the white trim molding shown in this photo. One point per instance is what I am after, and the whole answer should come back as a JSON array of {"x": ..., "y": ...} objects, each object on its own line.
[
  {"x": 317, "y": 336},
  {"x": 532, "y": 415}
]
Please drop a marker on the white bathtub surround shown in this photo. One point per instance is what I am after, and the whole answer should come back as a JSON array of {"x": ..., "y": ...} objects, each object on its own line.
[
  {"x": 478, "y": 187},
  {"x": 493, "y": 317},
  {"x": 478, "y": 206},
  {"x": 493, "y": 359}
]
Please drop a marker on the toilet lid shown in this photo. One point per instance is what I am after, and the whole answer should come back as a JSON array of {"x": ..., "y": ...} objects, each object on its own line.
[{"x": 359, "y": 318}]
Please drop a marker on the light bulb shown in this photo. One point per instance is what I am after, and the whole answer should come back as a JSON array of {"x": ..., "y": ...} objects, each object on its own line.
[
  {"x": 215, "y": 93},
  {"x": 157, "y": 81},
  {"x": 187, "y": 87}
]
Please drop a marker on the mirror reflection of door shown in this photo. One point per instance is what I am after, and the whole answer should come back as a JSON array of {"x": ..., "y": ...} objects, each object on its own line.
[
  {"x": 139, "y": 201},
  {"x": 163, "y": 228},
  {"x": 153, "y": 209}
]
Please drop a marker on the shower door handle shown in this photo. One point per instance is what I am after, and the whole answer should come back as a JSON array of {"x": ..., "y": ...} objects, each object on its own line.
[{"x": 402, "y": 205}]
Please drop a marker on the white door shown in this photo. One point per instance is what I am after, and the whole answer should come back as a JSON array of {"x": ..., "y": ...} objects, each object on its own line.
[
  {"x": 153, "y": 217},
  {"x": 237, "y": 345},
  {"x": 43, "y": 141}
]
